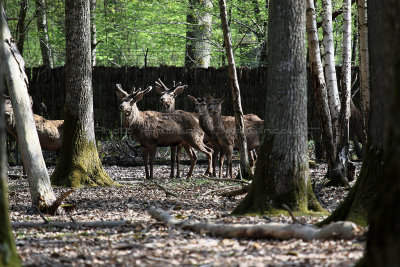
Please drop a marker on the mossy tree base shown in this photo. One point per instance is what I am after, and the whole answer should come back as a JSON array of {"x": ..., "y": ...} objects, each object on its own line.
[
  {"x": 80, "y": 166},
  {"x": 356, "y": 205}
]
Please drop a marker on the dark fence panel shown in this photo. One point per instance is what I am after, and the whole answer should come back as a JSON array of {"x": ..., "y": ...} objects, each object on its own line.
[{"x": 47, "y": 88}]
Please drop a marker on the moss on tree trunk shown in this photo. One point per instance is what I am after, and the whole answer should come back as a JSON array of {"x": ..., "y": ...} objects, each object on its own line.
[{"x": 79, "y": 164}]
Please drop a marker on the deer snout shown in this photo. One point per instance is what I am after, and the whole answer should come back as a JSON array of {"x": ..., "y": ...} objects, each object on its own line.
[{"x": 121, "y": 107}]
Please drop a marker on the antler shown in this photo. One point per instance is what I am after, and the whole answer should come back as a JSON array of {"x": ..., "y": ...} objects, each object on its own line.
[{"x": 160, "y": 86}]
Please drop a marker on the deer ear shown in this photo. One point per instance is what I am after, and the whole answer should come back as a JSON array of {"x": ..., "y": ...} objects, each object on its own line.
[
  {"x": 120, "y": 92},
  {"x": 178, "y": 90},
  {"x": 209, "y": 97},
  {"x": 191, "y": 98}
]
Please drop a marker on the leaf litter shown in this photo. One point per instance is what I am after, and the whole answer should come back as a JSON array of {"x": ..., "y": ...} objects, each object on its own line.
[{"x": 146, "y": 242}]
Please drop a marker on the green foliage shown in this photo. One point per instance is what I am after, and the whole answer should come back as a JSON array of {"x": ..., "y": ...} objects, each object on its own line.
[{"x": 128, "y": 30}]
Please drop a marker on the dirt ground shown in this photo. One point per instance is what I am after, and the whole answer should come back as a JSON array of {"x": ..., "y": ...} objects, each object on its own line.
[{"x": 145, "y": 242}]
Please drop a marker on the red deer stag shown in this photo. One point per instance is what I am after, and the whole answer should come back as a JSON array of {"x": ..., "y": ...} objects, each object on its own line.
[{"x": 152, "y": 129}]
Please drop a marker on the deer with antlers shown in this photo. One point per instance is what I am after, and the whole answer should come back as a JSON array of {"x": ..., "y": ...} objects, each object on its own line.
[{"x": 154, "y": 129}]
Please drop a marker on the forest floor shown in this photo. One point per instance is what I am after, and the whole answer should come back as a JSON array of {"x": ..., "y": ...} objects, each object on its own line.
[{"x": 143, "y": 241}]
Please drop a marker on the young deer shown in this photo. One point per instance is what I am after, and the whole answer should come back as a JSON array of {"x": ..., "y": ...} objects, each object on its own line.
[
  {"x": 49, "y": 131},
  {"x": 167, "y": 101},
  {"x": 152, "y": 129}
]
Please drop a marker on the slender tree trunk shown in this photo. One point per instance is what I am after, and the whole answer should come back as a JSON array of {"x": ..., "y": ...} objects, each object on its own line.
[
  {"x": 361, "y": 197},
  {"x": 364, "y": 64},
  {"x": 339, "y": 173},
  {"x": 321, "y": 94},
  {"x": 8, "y": 251},
  {"x": 199, "y": 33},
  {"x": 79, "y": 163},
  {"x": 45, "y": 48},
  {"x": 262, "y": 34},
  {"x": 93, "y": 30},
  {"x": 21, "y": 26},
  {"x": 383, "y": 243},
  {"x": 237, "y": 104},
  {"x": 42, "y": 194},
  {"x": 330, "y": 71},
  {"x": 281, "y": 175}
]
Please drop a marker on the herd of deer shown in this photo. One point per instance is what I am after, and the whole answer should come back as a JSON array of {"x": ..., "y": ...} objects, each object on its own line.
[{"x": 206, "y": 130}]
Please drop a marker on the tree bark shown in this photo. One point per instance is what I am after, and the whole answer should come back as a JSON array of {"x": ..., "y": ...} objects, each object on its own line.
[
  {"x": 364, "y": 64},
  {"x": 93, "y": 30},
  {"x": 45, "y": 48},
  {"x": 330, "y": 70},
  {"x": 42, "y": 194},
  {"x": 339, "y": 173},
  {"x": 281, "y": 175},
  {"x": 320, "y": 89},
  {"x": 199, "y": 33},
  {"x": 236, "y": 99},
  {"x": 360, "y": 199},
  {"x": 383, "y": 243},
  {"x": 21, "y": 26},
  {"x": 79, "y": 164},
  {"x": 8, "y": 251}
]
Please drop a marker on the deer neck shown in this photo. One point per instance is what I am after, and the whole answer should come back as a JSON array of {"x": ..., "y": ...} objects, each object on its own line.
[
  {"x": 206, "y": 123},
  {"x": 170, "y": 109},
  {"x": 135, "y": 118},
  {"x": 217, "y": 121}
]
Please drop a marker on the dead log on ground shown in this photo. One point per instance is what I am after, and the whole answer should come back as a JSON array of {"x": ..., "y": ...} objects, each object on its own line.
[
  {"x": 73, "y": 225},
  {"x": 237, "y": 192},
  {"x": 337, "y": 230}
]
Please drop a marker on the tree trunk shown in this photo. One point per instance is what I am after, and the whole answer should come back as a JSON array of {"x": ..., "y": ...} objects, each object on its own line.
[
  {"x": 330, "y": 71},
  {"x": 360, "y": 199},
  {"x": 320, "y": 90},
  {"x": 79, "y": 163},
  {"x": 281, "y": 175},
  {"x": 93, "y": 30},
  {"x": 199, "y": 34},
  {"x": 364, "y": 64},
  {"x": 8, "y": 251},
  {"x": 339, "y": 173},
  {"x": 45, "y": 48},
  {"x": 13, "y": 66},
  {"x": 383, "y": 243},
  {"x": 236, "y": 99},
  {"x": 21, "y": 26}
]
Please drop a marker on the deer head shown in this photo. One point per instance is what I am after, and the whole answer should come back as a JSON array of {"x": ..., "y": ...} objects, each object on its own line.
[
  {"x": 168, "y": 96},
  {"x": 200, "y": 104},
  {"x": 129, "y": 100},
  {"x": 214, "y": 106}
]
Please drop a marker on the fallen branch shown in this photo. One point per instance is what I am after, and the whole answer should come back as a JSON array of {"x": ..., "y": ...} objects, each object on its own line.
[
  {"x": 237, "y": 192},
  {"x": 74, "y": 225},
  {"x": 218, "y": 190},
  {"x": 165, "y": 190},
  {"x": 281, "y": 231},
  {"x": 224, "y": 179}
]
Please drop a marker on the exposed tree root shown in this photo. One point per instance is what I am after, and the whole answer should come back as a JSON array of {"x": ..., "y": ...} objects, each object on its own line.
[
  {"x": 224, "y": 179},
  {"x": 237, "y": 192},
  {"x": 280, "y": 231}
]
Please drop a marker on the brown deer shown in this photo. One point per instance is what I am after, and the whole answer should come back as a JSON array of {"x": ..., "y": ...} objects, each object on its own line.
[
  {"x": 167, "y": 101},
  {"x": 50, "y": 132},
  {"x": 152, "y": 129}
]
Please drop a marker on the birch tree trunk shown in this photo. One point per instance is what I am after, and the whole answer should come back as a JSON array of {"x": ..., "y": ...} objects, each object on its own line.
[
  {"x": 318, "y": 78},
  {"x": 199, "y": 33},
  {"x": 281, "y": 175},
  {"x": 42, "y": 194},
  {"x": 8, "y": 251},
  {"x": 21, "y": 26},
  {"x": 364, "y": 64},
  {"x": 339, "y": 173},
  {"x": 45, "y": 48},
  {"x": 330, "y": 71},
  {"x": 93, "y": 30},
  {"x": 237, "y": 104},
  {"x": 79, "y": 164}
]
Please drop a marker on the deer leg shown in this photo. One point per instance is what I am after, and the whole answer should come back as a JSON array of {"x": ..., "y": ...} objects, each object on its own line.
[
  {"x": 206, "y": 150},
  {"x": 173, "y": 153},
  {"x": 229, "y": 163},
  {"x": 178, "y": 161},
  {"x": 221, "y": 162},
  {"x": 145, "y": 156},
  {"x": 215, "y": 159},
  {"x": 152, "y": 156},
  {"x": 193, "y": 159}
]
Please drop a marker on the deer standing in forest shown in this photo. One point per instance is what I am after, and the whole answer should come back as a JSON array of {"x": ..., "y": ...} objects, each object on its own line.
[
  {"x": 152, "y": 129},
  {"x": 167, "y": 100},
  {"x": 50, "y": 132}
]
